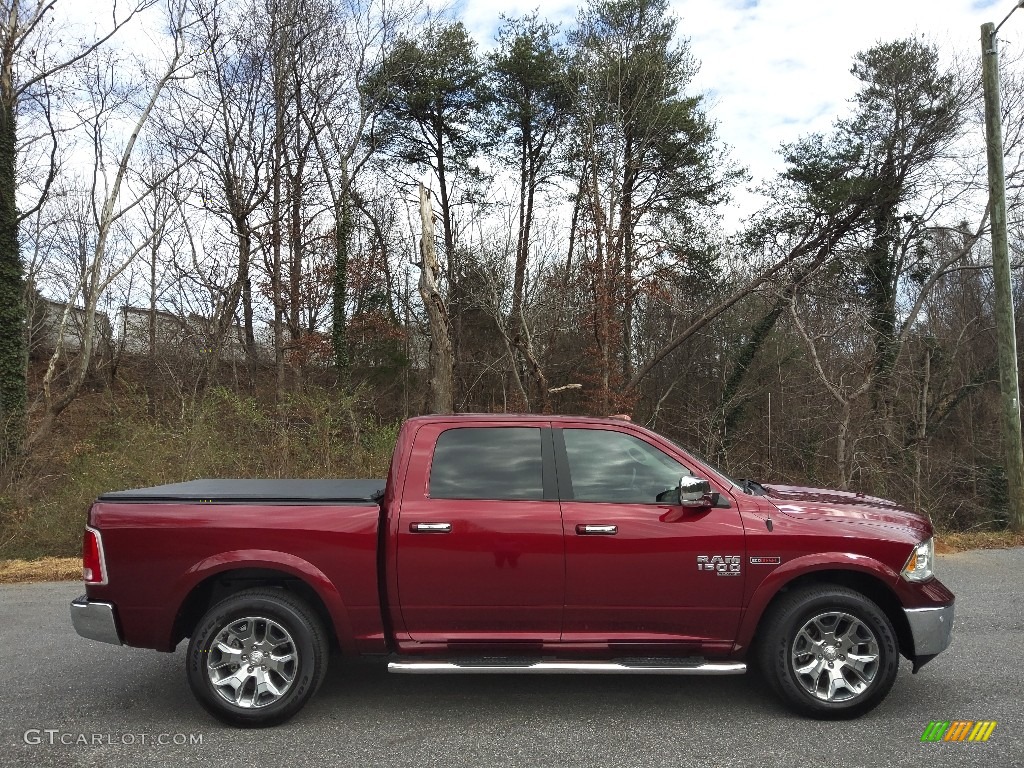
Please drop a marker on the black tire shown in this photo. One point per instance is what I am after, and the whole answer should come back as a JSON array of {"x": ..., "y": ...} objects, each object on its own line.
[
  {"x": 827, "y": 675},
  {"x": 274, "y": 690}
]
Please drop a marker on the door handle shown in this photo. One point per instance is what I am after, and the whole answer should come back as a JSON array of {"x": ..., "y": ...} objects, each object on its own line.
[
  {"x": 430, "y": 527},
  {"x": 597, "y": 530}
]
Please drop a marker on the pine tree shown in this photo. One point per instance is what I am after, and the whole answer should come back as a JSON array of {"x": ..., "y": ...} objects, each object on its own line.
[{"x": 646, "y": 157}]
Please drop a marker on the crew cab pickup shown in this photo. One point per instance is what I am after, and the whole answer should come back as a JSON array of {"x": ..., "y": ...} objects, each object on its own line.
[{"x": 516, "y": 544}]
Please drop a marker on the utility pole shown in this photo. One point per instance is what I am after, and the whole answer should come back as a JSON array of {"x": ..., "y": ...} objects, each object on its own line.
[{"x": 1006, "y": 332}]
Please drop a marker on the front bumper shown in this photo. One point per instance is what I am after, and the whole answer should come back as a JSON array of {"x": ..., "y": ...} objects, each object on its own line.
[
  {"x": 932, "y": 630},
  {"x": 95, "y": 620}
]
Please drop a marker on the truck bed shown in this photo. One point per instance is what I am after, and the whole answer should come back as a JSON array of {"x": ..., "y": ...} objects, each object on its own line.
[{"x": 348, "y": 492}]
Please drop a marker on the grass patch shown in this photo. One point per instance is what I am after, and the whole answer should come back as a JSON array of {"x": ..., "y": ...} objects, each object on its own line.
[
  {"x": 105, "y": 445},
  {"x": 44, "y": 569},
  {"x": 960, "y": 541}
]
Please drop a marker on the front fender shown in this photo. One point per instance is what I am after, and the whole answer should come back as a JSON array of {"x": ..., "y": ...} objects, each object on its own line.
[
  {"x": 801, "y": 566},
  {"x": 278, "y": 561}
]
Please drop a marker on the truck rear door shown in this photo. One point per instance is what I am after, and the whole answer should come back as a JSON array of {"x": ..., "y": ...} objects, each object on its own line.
[{"x": 479, "y": 552}]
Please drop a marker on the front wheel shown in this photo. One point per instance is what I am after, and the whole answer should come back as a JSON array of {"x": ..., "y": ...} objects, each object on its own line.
[
  {"x": 829, "y": 652},
  {"x": 256, "y": 658}
]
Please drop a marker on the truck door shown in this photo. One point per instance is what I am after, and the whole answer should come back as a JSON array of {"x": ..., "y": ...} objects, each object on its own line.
[
  {"x": 632, "y": 561},
  {"x": 479, "y": 537}
]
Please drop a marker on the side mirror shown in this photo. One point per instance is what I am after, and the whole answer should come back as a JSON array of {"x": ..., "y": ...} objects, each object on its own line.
[{"x": 695, "y": 492}]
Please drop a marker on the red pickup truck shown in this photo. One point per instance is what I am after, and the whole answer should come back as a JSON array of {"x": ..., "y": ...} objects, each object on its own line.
[{"x": 516, "y": 544}]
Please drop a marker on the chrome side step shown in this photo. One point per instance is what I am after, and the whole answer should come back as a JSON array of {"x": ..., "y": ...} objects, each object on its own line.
[{"x": 539, "y": 667}]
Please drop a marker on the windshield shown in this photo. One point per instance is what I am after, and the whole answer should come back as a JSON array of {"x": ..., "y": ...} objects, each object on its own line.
[{"x": 709, "y": 464}]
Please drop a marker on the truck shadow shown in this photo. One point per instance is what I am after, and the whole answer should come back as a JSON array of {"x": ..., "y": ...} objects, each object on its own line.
[
  {"x": 363, "y": 693},
  {"x": 352, "y": 686}
]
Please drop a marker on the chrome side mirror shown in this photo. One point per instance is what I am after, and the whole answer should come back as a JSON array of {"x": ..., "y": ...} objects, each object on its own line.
[{"x": 694, "y": 492}]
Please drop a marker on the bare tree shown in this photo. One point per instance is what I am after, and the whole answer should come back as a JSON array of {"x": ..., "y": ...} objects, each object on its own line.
[
  {"x": 30, "y": 55},
  {"x": 352, "y": 41},
  {"x": 108, "y": 212},
  {"x": 847, "y": 395},
  {"x": 231, "y": 140}
]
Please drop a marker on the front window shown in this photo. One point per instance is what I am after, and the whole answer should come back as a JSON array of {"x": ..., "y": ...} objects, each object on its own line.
[{"x": 619, "y": 468}]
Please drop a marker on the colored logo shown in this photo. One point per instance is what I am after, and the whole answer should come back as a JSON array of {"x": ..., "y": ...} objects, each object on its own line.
[{"x": 958, "y": 730}]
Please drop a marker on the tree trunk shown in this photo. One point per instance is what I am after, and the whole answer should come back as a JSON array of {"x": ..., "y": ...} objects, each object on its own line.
[
  {"x": 522, "y": 237},
  {"x": 441, "y": 362},
  {"x": 13, "y": 356},
  {"x": 275, "y": 277},
  {"x": 575, "y": 220},
  {"x": 151, "y": 376},
  {"x": 880, "y": 276},
  {"x": 454, "y": 321},
  {"x": 342, "y": 239},
  {"x": 276, "y": 215},
  {"x": 733, "y": 405},
  {"x": 626, "y": 249},
  {"x": 244, "y": 262},
  {"x": 295, "y": 187},
  {"x": 922, "y": 428},
  {"x": 842, "y": 438}
]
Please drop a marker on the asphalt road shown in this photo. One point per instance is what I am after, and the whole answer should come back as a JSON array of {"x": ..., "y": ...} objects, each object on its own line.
[{"x": 121, "y": 701}]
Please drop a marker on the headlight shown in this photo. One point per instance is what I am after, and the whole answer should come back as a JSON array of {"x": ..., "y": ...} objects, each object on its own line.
[{"x": 919, "y": 565}]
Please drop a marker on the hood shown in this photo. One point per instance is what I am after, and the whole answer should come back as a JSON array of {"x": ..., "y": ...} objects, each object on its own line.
[{"x": 846, "y": 506}]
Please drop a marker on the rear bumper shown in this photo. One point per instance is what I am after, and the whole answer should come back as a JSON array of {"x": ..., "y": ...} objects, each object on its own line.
[
  {"x": 95, "y": 620},
  {"x": 932, "y": 630}
]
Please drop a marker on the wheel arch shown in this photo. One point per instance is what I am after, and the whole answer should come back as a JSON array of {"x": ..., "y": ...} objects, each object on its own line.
[
  {"x": 217, "y": 582},
  {"x": 873, "y": 583}
]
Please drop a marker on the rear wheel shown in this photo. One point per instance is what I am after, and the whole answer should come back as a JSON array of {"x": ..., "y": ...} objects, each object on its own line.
[
  {"x": 256, "y": 658},
  {"x": 828, "y": 652}
]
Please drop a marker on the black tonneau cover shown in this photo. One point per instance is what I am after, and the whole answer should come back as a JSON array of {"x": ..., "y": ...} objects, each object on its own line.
[{"x": 256, "y": 491}]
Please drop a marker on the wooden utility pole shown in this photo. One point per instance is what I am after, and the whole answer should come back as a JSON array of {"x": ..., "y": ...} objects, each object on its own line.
[
  {"x": 441, "y": 369},
  {"x": 1006, "y": 332}
]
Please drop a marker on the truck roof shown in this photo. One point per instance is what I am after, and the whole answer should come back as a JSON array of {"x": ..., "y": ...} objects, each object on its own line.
[{"x": 444, "y": 417}]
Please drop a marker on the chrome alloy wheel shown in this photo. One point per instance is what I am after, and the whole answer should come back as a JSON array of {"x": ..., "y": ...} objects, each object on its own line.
[
  {"x": 835, "y": 657},
  {"x": 252, "y": 662}
]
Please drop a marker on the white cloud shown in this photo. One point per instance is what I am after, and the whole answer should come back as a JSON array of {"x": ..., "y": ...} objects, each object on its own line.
[{"x": 774, "y": 70}]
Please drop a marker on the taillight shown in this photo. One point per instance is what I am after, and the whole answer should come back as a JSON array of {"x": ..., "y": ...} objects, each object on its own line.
[{"x": 94, "y": 569}]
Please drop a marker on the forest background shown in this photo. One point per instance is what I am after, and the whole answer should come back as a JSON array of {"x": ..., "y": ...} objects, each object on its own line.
[{"x": 211, "y": 256}]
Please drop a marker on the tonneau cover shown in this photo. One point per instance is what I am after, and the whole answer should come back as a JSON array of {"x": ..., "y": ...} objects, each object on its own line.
[{"x": 256, "y": 491}]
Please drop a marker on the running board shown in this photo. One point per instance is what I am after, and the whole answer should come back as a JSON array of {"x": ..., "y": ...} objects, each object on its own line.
[{"x": 499, "y": 666}]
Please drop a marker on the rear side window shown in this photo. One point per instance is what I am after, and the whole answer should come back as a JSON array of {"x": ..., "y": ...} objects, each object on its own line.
[{"x": 487, "y": 463}]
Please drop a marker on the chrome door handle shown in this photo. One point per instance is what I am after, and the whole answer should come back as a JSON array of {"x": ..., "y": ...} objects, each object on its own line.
[
  {"x": 430, "y": 527},
  {"x": 597, "y": 530}
]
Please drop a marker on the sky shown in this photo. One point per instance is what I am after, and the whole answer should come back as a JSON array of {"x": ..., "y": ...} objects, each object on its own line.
[
  {"x": 771, "y": 71},
  {"x": 775, "y": 70}
]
